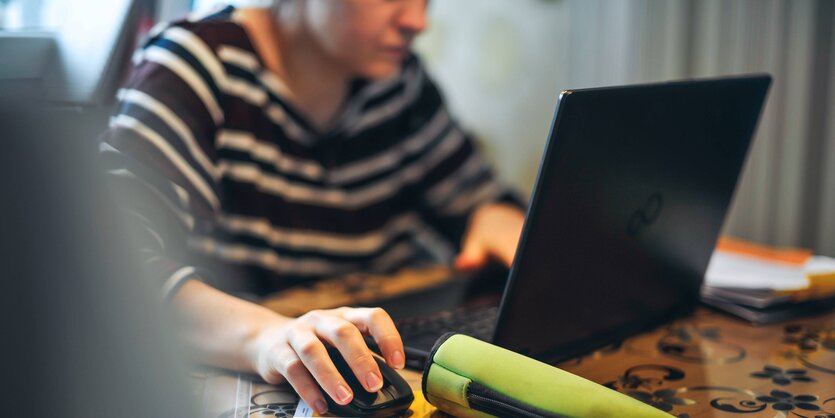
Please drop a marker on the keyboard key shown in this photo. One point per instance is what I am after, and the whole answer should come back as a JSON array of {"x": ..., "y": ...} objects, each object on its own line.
[{"x": 422, "y": 332}]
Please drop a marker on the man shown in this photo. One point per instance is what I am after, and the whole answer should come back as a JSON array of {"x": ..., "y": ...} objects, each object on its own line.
[{"x": 289, "y": 144}]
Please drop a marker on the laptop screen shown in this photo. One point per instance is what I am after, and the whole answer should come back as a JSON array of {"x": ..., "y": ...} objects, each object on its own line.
[{"x": 630, "y": 198}]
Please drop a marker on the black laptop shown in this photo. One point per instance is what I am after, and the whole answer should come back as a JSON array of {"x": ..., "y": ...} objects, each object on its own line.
[{"x": 632, "y": 192}]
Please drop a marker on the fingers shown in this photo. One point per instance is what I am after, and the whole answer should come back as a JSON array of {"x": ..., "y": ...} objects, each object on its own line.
[
  {"x": 314, "y": 356},
  {"x": 303, "y": 360},
  {"x": 473, "y": 255},
  {"x": 493, "y": 231},
  {"x": 288, "y": 364},
  {"x": 377, "y": 323},
  {"x": 347, "y": 338}
]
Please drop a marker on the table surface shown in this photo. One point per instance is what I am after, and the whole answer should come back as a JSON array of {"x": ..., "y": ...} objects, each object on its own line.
[{"x": 705, "y": 365}]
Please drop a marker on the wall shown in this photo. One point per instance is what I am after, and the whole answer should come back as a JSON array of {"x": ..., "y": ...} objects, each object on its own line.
[{"x": 502, "y": 65}]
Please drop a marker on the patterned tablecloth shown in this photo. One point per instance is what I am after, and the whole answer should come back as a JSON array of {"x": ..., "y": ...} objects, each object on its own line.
[
  {"x": 706, "y": 365},
  {"x": 711, "y": 365}
]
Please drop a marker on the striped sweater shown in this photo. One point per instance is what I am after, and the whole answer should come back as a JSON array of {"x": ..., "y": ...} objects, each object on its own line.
[{"x": 225, "y": 181}]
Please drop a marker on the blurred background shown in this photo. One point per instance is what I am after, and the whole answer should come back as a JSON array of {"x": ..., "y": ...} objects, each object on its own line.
[{"x": 503, "y": 63}]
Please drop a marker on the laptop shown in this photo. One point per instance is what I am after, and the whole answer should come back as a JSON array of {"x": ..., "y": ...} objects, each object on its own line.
[{"x": 631, "y": 195}]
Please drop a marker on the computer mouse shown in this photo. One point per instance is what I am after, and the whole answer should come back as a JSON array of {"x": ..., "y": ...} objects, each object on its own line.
[{"x": 392, "y": 400}]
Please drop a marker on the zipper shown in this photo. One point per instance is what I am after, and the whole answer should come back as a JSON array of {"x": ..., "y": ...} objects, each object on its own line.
[
  {"x": 484, "y": 400},
  {"x": 498, "y": 408}
]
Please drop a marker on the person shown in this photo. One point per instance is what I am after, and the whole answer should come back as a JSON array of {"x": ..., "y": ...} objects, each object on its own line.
[{"x": 278, "y": 146}]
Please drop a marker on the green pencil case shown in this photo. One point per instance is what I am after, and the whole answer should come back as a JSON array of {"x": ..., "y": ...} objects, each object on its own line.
[{"x": 466, "y": 377}]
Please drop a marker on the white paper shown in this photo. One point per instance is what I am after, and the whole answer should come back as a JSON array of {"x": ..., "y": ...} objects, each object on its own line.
[
  {"x": 227, "y": 395},
  {"x": 733, "y": 270},
  {"x": 303, "y": 410},
  {"x": 820, "y": 264}
]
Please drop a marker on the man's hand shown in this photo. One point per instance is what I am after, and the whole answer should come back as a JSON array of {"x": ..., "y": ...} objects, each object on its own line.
[
  {"x": 295, "y": 352},
  {"x": 493, "y": 232}
]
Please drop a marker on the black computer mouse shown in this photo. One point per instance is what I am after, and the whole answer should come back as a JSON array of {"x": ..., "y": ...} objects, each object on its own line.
[{"x": 392, "y": 400}]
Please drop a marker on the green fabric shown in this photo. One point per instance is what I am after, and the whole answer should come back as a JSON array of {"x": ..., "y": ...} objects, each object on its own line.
[
  {"x": 456, "y": 410},
  {"x": 448, "y": 385},
  {"x": 526, "y": 380}
]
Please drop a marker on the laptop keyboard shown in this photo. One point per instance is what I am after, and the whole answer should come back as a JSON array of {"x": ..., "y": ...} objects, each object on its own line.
[{"x": 422, "y": 332}]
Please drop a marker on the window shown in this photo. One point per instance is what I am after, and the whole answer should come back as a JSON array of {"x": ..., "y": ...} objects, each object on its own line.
[
  {"x": 66, "y": 51},
  {"x": 27, "y": 15}
]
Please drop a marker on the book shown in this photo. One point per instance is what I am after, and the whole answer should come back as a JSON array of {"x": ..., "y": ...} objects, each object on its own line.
[
  {"x": 772, "y": 313},
  {"x": 767, "y": 284}
]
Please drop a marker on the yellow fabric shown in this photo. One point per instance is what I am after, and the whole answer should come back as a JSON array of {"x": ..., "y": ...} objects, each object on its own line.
[{"x": 420, "y": 408}]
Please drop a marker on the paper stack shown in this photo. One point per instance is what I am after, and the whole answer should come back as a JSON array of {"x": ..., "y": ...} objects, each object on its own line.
[{"x": 765, "y": 284}]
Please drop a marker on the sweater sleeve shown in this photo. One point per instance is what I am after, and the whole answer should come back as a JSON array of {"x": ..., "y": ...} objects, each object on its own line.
[{"x": 159, "y": 151}]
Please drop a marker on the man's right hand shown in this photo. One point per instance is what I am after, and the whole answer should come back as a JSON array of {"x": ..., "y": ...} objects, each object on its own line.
[{"x": 295, "y": 351}]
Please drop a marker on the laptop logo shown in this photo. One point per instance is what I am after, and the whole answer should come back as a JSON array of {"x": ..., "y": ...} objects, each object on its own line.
[{"x": 646, "y": 215}]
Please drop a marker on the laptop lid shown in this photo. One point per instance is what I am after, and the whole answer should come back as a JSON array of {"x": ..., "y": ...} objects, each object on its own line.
[{"x": 630, "y": 197}]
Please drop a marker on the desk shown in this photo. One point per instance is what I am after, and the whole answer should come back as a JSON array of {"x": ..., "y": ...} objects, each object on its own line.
[
  {"x": 711, "y": 365},
  {"x": 706, "y": 365}
]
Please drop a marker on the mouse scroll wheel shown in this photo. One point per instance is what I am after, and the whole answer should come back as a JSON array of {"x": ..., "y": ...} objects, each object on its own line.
[{"x": 384, "y": 395}]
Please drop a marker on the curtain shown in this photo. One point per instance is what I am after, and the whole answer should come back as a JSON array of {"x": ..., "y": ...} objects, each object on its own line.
[{"x": 502, "y": 65}]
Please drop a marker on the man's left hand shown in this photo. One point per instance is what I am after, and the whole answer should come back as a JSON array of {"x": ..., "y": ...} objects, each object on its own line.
[{"x": 493, "y": 232}]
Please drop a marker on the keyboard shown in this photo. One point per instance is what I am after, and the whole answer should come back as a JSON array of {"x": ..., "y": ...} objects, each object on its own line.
[{"x": 420, "y": 333}]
